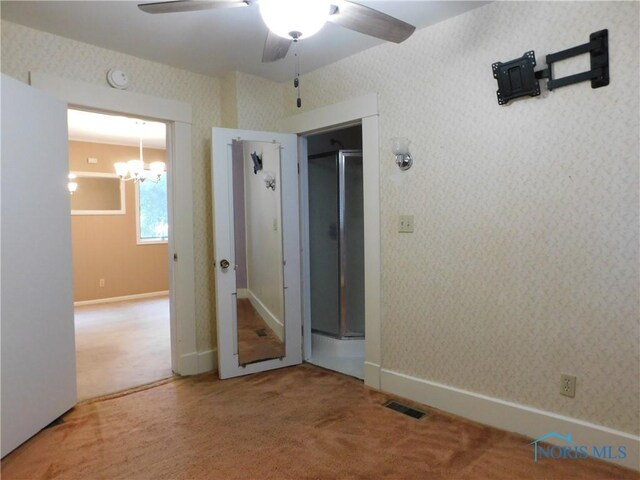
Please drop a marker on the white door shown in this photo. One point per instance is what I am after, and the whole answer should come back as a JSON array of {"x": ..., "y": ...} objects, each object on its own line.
[
  {"x": 38, "y": 345},
  {"x": 257, "y": 251}
]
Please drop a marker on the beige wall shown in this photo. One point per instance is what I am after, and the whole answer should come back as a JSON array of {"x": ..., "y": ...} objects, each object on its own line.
[
  {"x": 25, "y": 49},
  {"x": 524, "y": 262},
  {"x": 104, "y": 246}
]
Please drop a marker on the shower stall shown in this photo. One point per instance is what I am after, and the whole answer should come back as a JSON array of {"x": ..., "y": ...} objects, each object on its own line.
[{"x": 336, "y": 251}]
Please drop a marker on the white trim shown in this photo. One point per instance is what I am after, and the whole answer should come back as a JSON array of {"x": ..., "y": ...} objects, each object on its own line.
[
  {"x": 123, "y": 205},
  {"x": 124, "y": 298},
  {"x": 208, "y": 360},
  {"x": 333, "y": 116},
  {"x": 362, "y": 110},
  {"x": 105, "y": 98},
  {"x": 242, "y": 293},
  {"x": 179, "y": 190},
  {"x": 509, "y": 416},
  {"x": 194, "y": 363},
  {"x": 372, "y": 374},
  {"x": 187, "y": 363},
  {"x": 269, "y": 318}
]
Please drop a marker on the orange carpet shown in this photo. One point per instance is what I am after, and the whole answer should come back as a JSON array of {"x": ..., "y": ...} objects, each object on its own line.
[{"x": 296, "y": 423}]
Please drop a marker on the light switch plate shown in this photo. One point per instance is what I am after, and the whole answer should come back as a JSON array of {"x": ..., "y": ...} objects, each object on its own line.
[{"x": 405, "y": 224}]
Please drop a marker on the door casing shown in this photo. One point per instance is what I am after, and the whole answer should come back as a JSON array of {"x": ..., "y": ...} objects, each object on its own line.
[
  {"x": 185, "y": 359},
  {"x": 361, "y": 110}
]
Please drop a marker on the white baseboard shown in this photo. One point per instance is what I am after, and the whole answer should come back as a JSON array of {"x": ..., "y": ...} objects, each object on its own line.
[
  {"x": 242, "y": 293},
  {"x": 267, "y": 316},
  {"x": 509, "y": 416},
  {"x": 208, "y": 360},
  {"x": 372, "y": 375},
  {"x": 124, "y": 298},
  {"x": 324, "y": 345},
  {"x": 188, "y": 364},
  {"x": 197, "y": 362}
]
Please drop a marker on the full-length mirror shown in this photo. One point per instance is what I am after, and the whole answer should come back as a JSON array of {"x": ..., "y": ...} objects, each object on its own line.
[{"x": 258, "y": 245}]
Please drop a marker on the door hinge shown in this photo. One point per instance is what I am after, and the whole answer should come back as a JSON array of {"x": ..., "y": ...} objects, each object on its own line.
[
  {"x": 298, "y": 169},
  {"x": 175, "y": 257}
]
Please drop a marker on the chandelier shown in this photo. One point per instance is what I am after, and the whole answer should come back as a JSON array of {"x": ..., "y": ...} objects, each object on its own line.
[{"x": 137, "y": 170}]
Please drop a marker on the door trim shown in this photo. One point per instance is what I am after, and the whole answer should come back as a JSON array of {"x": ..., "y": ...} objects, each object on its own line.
[
  {"x": 177, "y": 115},
  {"x": 363, "y": 110}
]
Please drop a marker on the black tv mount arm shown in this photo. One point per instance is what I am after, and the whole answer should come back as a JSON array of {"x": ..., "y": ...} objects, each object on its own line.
[{"x": 516, "y": 78}]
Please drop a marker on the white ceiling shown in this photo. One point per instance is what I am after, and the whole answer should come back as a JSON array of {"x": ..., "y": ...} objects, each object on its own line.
[
  {"x": 210, "y": 42},
  {"x": 115, "y": 129}
]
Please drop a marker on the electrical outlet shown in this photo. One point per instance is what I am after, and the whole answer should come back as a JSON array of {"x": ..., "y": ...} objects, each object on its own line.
[
  {"x": 568, "y": 385},
  {"x": 405, "y": 224},
  {"x": 101, "y": 283}
]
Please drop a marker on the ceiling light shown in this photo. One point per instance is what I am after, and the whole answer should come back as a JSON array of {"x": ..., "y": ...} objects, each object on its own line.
[
  {"x": 72, "y": 185},
  {"x": 136, "y": 169},
  {"x": 294, "y": 18}
]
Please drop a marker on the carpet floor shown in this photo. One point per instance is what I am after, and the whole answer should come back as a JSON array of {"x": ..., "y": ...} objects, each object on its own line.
[
  {"x": 301, "y": 422},
  {"x": 121, "y": 345}
]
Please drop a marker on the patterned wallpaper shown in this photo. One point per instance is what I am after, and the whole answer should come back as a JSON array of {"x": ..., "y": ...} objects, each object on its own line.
[
  {"x": 260, "y": 102},
  {"x": 25, "y": 49},
  {"x": 524, "y": 261}
]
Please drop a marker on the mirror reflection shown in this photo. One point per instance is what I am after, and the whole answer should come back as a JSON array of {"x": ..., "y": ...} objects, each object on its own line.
[
  {"x": 97, "y": 194},
  {"x": 258, "y": 251}
]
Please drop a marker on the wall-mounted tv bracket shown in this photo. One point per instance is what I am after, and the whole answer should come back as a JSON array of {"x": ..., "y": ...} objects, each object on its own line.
[{"x": 517, "y": 78}]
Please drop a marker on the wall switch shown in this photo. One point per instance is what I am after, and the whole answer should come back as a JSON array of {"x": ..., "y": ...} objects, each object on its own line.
[
  {"x": 568, "y": 385},
  {"x": 101, "y": 283},
  {"x": 405, "y": 224},
  {"x": 92, "y": 160}
]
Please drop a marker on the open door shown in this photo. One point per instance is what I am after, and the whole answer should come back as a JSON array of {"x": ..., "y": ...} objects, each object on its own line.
[
  {"x": 38, "y": 347},
  {"x": 257, "y": 251}
]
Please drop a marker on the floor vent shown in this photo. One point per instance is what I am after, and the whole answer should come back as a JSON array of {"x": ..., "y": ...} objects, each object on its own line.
[
  {"x": 404, "y": 409},
  {"x": 261, "y": 333}
]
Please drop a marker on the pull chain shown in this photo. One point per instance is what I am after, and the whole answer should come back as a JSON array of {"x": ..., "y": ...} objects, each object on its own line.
[{"x": 296, "y": 79}]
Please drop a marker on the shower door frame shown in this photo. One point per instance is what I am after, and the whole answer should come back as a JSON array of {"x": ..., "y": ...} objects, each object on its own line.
[{"x": 340, "y": 157}]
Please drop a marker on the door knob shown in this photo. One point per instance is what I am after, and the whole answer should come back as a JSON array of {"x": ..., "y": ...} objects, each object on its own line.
[{"x": 224, "y": 264}]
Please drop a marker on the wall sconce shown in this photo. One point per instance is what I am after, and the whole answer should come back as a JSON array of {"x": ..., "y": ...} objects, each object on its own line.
[
  {"x": 72, "y": 185},
  {"x": 269, "y": 180},
  {"x": 400, "y": 148}
]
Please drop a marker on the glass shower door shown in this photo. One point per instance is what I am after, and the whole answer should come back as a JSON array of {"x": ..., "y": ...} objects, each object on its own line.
[
  {"x": 351, "y": 243},
  {"x": 324, "y": 243},
  {"x": 336, "y": 243}
]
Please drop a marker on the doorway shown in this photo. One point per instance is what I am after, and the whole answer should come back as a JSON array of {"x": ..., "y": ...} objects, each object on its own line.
[
  {"x": 120, "y": 231},
  {"x": 335, "y": 216}
]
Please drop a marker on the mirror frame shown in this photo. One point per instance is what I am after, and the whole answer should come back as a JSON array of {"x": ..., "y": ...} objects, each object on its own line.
[{"x": 123, "y": 208}]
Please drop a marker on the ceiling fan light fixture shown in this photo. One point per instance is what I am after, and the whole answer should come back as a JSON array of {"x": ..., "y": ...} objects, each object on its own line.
[{"x": 294, "y": 18}]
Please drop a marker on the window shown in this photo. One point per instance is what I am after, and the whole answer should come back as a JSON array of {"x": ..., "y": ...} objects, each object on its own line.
[{"x": 153, "y": 223}]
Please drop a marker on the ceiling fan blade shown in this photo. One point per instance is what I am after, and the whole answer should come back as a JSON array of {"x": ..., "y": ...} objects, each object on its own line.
[
  {"x": 174, "y": 6},
  {"x": 275, "y": 47},
  {"x": 366, "y": 20}
]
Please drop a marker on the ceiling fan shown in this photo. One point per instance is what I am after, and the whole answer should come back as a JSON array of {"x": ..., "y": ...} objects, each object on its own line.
[{"x": 291, "y": 20}]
